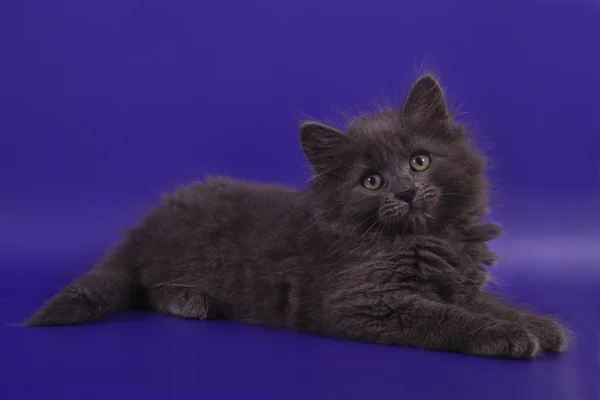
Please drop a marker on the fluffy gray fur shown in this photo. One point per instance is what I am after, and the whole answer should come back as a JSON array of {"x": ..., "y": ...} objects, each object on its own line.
[{"x": 378, "y": 249}]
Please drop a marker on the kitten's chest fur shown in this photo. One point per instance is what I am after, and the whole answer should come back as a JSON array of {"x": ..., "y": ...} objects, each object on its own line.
[{"x": 407, "y": 264}]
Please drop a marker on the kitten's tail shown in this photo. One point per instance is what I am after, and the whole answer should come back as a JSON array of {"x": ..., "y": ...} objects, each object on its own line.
[{"x": 109, "y": 287}]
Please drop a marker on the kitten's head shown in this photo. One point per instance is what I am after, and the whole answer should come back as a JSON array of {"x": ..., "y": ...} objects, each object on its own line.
[{"x": 410, "y": 169}]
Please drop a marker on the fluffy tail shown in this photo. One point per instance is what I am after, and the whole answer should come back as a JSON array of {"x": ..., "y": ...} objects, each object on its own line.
[{"x": 109, "y": 287}]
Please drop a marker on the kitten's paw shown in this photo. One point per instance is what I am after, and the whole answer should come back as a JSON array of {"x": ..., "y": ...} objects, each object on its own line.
[
  {"x": 551, "y": 334},
  {"x": 504, "y": 339}
]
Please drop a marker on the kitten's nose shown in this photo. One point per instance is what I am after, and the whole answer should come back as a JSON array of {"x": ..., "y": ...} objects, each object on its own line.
[{"x": 407, "y": 196}]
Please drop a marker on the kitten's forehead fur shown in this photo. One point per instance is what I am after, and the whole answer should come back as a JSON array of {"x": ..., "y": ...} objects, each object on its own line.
[
  {"x": 391, "y": 135},
  {"x": 423, "y": 122}
]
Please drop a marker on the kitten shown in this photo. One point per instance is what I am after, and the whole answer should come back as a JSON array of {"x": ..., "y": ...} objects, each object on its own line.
[{"x": 387, "y": 245}]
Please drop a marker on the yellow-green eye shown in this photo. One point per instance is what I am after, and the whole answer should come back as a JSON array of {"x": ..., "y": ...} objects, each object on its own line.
[
  {"x": 373, "y": 182},
  {"x": 420, "y": 163}
]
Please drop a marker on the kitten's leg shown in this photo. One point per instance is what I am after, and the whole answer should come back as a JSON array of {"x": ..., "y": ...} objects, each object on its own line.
[
  {"x": 410, "y": 320},
  {"x": 551, "y": 334}
]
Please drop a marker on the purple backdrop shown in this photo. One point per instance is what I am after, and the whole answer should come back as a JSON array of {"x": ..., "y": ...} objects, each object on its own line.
[{"x": 105, "y": 105}]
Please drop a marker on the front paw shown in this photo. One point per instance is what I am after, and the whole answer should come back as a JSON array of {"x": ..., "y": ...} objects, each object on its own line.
[
  {"x": 503, "y": 339},
  {"x": 551, "y": 334}
]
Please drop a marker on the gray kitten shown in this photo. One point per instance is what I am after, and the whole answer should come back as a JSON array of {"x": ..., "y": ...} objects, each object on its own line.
[{"x": 385, "y": 246}]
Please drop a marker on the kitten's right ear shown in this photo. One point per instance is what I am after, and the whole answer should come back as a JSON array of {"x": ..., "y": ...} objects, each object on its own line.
[
  {"x": 426, "y": 101},
  {"x": 322, "y": 145}
]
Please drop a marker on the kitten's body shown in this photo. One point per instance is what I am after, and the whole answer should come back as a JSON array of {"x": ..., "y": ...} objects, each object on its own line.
[{"x": 339, "y": 260}]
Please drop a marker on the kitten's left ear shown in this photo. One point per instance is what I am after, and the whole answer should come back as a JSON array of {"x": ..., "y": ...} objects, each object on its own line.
[{"x": 426, "y": 102}]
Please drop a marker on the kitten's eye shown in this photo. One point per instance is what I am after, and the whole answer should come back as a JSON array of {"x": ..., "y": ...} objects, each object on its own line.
[
  {"x": 420, "y": 163},
  {"x": 373, "y": 182}
]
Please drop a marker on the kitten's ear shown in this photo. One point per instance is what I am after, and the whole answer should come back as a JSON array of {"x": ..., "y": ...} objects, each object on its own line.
[
  {"x": 426, "y": 102},
  {"x": 322, "y": 145}
]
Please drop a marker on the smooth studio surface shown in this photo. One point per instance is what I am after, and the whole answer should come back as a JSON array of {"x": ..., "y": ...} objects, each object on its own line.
[{"x": 105, "y": 105}]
